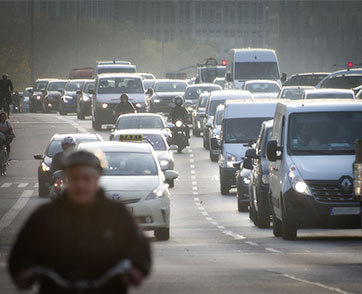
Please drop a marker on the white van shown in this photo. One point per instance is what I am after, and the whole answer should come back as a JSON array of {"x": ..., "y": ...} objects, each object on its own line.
[
  {"x": 311, "y": 175},
  {"x": 251, "y": 64},
  {"x": 240, "y": 128},
  {"x": 107, "y": 93},
  {"x": 116, "y": 67}
]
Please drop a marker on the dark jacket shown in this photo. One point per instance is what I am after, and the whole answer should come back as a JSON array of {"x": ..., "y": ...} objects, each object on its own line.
[
  {"x": 80, "y": 243},
  {"x": 125, "y": 108},
  {"x": 178, "y": 113},
  {"x": 6, "y": 86},
  {"x": 57, "y": 162}
]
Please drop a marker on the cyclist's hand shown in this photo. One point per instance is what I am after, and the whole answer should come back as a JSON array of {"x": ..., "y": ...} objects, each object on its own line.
[{"x": 134, "y": 277}]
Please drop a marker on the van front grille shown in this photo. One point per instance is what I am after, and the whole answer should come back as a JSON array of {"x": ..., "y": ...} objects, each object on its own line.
[{"x": 331, "y": 191}]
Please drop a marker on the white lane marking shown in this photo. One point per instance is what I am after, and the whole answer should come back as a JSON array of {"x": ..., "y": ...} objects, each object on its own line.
[
  {"x": 191, "y": 155},
  {"x": 6, "y": 185},
  {"x": 11, "y": 214},
  {"x": 227, "y": 232},
  {"x": 209, "y": 218},
  {"x": 194, "y": 188},
  {"x": 337, "y": 290},
  {"x": 201, "y": 208},
  {"x": 197, "y": 199},
  {"x": 192, "y": 160},
  {"x": 195, "y": 193},
  {"x": 193, "y": 172},
  {"x": 221, "y": 227},
  {"x": 193, "y": 177},
  {"x": 36, "y": 185},
  {"x": 190, "y": 150},
  {"x": 198, "y": 203},
  {"x": 215, "y": 223},
  {"x": 273, "y": 250},
  {"x": 238, "y": 237},
  {"x": 215, "y": 178},
  {"x": 204, "y": 213},
  {"x": 251, "y": 243},
  {"x": 194, "y": 183},
  {"x": 23, "y": 185},
  {"x": 192, "y": 166}
]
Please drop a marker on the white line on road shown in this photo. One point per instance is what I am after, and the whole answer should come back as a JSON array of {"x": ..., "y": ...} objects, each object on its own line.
[
  {"x": 191, "y": 155},
  {"x": 194, "y": 188},
  {"x": 251, "y": 243},
  {"x": 22, "y": 185},
  {"x": 192, "y": 160},
  {"x": 215, "y": 223},
  {"x": 193, "y": 172},
  {"x": 36, "y": 185},
  {"x": 194, "y": 183},
  {"x": 209, "y": 218},
  {"x": 221, "y": 227},
  {"x": 193, "y": 177},
  {"x": 11, "y": 214},
  {"x": 192, "y": 166},
  {"x": 201, "y": 208},
  {"x": 6, "y": 185},
  {"x": 273, "y": 250},
  {"x": 238, "y": 237},
  {"x": 198, "y": 203},
  {"x": 204, "y": 213},
  {"x": 195, "y": 193},
  {"x": 197, "y": 199},
  {"x": 317, "y": 284}
]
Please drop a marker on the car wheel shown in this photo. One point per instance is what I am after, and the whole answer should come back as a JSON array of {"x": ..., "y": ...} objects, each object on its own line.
[
  {"x": 96, "y": 124},
  {"x": 162, "y": 234},
  {"x": 289, "y": 231},
  {"x": 196, "y": 133},
  {"x": 43, "y": 191},
  {"x": 242, "y": 206},
  {"x": 61, "y": 110},
  {"x": 263, "y": 215},
  {"x": 81, "y": 115},
  {"x": 224, "y": 189},
  {"x": 171, "y": 183},
  {"x": 213, "y": 157},
  {"x": 277, "y": 226}
]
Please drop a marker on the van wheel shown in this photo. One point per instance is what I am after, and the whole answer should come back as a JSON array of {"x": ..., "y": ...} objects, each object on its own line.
[
  {"x": 162, "y": 234},
  {"x": 277, "y": 226},
  {"x": 224, "y": 189},
  {"x": 213, "y": 157},
  {"x": 96, "y": 125},
  {"x": 289, "y": 231},
  {"x": 263, "y": 219}
]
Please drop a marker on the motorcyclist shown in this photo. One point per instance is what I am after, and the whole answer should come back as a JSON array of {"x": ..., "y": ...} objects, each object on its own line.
[
  {"x": 80, "y": 235},
  {"x": 6, "y": 131},
  {"x": 6, "y": 88},
  {"x": 180, "y": 113},
  {"x": 124, "y": 106},
  {"x": 68, "y": 145},
  {"x": 16, "y": 101}
]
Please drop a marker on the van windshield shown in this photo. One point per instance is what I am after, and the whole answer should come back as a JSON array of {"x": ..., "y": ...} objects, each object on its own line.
[
  {"x": 242, "y": 130},
  {"x": 116, "y": 70},
  {"x": 120, "y": 85},
  {"x": 324, "y": 132},
  {"x": 256, "y": 70}
]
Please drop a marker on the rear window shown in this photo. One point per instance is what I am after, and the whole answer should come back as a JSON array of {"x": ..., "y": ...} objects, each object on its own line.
[{"x": 137, "y": 122}]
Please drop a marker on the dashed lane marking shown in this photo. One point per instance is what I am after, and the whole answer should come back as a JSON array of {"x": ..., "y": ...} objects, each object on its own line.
[
  {"x": 251, "y": 243},
  {"x": 18, "y": 185},
  {"x": 23, "y": 185},
  {"x": 6, "y": 185},
  {"x": 11, "y": 214},
  {"x": 320, "y": 285},
  {"x": 220, "y": 227},
  {"x": 36, "y": 185},
  {"x": 197, "y": 199},
  {"x": 273, "y": 250}
]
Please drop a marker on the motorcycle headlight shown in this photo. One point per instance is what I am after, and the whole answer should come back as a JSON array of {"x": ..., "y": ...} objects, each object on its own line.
[
  {"x": 246, "y": 181},
  {"x": 104, "y": 105},
  {"x": 230, "y": 159},
  {"x": 38, "y": 97},
  {"x": 164, "y": 163},
  {"x": 138, "y": 105},
  {"x": 265, "y": 179},
  {"x": 297, "y": 181},
  {"x": 156, "y": 193},
  {"x": 179, "y": 124},
  {"x": 44, "y": 167}
]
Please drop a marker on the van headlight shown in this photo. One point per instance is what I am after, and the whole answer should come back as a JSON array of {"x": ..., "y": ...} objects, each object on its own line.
[
  {"x": 156, "y": 193},
  {"x": 44, "y": 167},
  {"x": 163, "y": 163},
  {"x": 230, "y": 159},
  {"x": 297, "y": 181},
  {"x": 104, "y": 105}
]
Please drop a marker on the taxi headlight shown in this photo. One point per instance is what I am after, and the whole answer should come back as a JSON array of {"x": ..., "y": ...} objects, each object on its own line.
[
  {"x": 297, "y": 181},
  {"x": 104, "y": 105},
  {"x": 156, "y": 193},
  {"x": 44, "y": 167},
  {"x": 164, "y": 163},
  {"x": 179, "y": 124},
  {"x": 230, "y": 159}
]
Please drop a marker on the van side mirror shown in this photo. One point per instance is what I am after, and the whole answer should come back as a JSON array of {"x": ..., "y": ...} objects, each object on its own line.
[
  {"x": 247, "y": 164},
  {"x": 228, "y": 77},
  {"x": 284, "y": 77},
  {"x": 214, "y": 144},
  {"x": 38, "y": 156},
  {"x": 251, "y": 153},
  {"x": 272, "y": 150}
]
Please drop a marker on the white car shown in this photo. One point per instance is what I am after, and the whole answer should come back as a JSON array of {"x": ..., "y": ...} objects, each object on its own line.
[
  {"x": 328, "y": 94},
  {"x": 157, "y": 140},
  {"x": 262, "y": 88},
  {"x": 134, "y": 176}
]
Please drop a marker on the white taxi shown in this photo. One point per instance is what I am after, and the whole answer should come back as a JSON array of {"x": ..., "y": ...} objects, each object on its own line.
[{"x": 133, "y": 175}]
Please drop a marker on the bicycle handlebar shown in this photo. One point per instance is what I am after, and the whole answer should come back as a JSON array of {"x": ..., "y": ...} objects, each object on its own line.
[{"x": 123, "y": 267}]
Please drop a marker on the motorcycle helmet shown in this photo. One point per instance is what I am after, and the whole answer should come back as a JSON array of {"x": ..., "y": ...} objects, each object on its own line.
[
  {"x": 5, "y": 75},
  {"x": 179, "y": 100},
  {"x": 124, "y": 96}
]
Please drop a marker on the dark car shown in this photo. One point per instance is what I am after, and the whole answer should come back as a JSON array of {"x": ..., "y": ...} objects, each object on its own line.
[
  {"x": 84, "y": 102},
  {"x": 68, "y": 101},
  {"x": 305, "y": 79},
  {"x": 55, "y": 146},
  {"x": 259, "y": 206},
  {"x": 52, "y": 95},
  {"x": 242, "y": 176},
  {"x": 193, "y": 92},
  {"x": 199, "y": 113},
  {"x": 164, "y": 93},
  {"x": 37, "y": 95}
]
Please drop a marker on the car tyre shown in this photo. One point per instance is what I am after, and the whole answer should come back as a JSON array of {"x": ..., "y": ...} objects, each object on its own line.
[
  {"x": 213, "y": 157},
  {"x": 171, "y": 183},
  {"x": 242, "y": 206},
  {"x": 43, "y": 191},
  {"x": 162, "y": 234},
  {"x": 224, "y": 189},
  {"x": 289, "y": 231},
  {"x": 196, "y": 133},
  {"x": 277, "y": 226},
  {"x": 96, "y": 124}
]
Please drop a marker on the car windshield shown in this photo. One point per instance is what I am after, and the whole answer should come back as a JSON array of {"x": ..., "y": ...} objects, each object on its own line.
[
  {"x": 343, "y": 82},
  {"x": 305, "y": 80},
  {"x": 242, "y": 130},
  {"x": 218, "y": 118},
  {"x": 55, "y": 86},
  {"x": 192, "y": 93},
  {"x": 208, "y": 74},
  {"x": 170, "y": 87},
  {"x": 147, "y": 76},
  {"x": 130, "y": 164},
  {"x": 40, "y": 86},
  {"x": 74, "y": 86},
  {"x": 139, "y": 122},
  {"x": 329, "y": 96},
  {"x": 256, "y": 70},
  {"x": 324, "y": 132},
  {"x": 116, "y": 70},
  {"x": 262, "y": 88},
  {"x": 55, "y": 146},
  {"x": 293, "y": 94},
  {"x": 88, "y": 86},
  {"x": 120, "y": 85},
  {"x": 213, "y": 105},
  {"x": 203, "y": 100}
]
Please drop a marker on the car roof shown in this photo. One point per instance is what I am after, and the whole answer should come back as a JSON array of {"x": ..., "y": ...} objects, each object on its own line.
[
  {"x": 262, "y": 81},
  {"x": 321, "y": 105},
  {"x": 298, "y": 87},
  {"x": 78, "y": 80},
  {"x": 44, "y": 80},
  {"x": 230, "y": 94},
  {"x": 309, "y": 74},
  {"x": 141, "y": 114},
  {"x": 170, "y": 80},
  {"x": 329, "y": 90},
  {"x": 119, "y": 75},
  {"x": 138, "y": 132},
  {"x": 76, "y": 136},
  {"x": 117, "y": 65},
  {"x": 204, "y": 85},
  {"x": 58, "y": 80},
  {"x": 115, "y": 146}
]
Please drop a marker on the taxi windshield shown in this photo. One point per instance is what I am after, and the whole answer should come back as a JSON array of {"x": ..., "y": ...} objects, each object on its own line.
[
  {"x": 55, "y": 86},
  {"x": 130, "y": 164},
  {"x": 138, "y": 122}
]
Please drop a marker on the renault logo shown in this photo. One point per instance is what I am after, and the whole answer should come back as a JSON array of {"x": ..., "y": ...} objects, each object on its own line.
[
  {"x": 116, "y": 196},
  {"x": 346, "y": 184}
]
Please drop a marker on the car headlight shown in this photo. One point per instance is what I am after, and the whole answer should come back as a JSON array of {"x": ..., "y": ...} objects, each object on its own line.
[
  {"x": 265, "y": 179},
  {"x": 230, "y": 159},
  {"x": 104, "y": 105},
  {"x": 164, "y": 163},
  {"x": 179, "y": 124},
  {"x": 156, "y": 100},
  {"x": 38, "y": 97},
  {"x": 68, "y": 98},
  {"x": 44, "y": 167},
  {"x": 297, "y": 181},
  {"x": 138, "y": 105},
  {"x": 86, "y": 98},
  {"x": 156, "y": 193},
  {"x": 246, "y": 181}
]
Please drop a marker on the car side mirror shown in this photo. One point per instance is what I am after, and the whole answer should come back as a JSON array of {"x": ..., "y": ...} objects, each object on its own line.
[
  {"x": 171, "y": 175},
  {"x": 251, "y": 153},
  {"x": 228, "y": 77},
  {"x": 43, "y": 91},
  {"x": 284, "y": 77},
  {"x": 60, "y": 91},
  {"x": 38, "y": 156},
  {"x": 173, "y": 148},
  {"x": 214, "y": 144},
  {"x": 197, "y": 81},
  {"x": 149, "y": 92},
  {"x": 272, "y": 151},
  {"x": 247, "y": 163},
  {"x": 170, "y": 126},
  {"x": 91, "y": 91},
  {"x": 237, "y": 164}
]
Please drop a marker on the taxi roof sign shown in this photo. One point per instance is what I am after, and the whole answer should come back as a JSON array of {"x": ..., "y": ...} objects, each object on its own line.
[{"x": 133, "y": 138}]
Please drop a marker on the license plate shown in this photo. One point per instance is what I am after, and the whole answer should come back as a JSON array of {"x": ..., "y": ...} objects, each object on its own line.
[{"x": 345, "y": 210}]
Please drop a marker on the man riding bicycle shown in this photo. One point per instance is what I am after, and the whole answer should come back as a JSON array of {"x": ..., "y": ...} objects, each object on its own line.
[
  {"x": 6, "y": 132},
  {"x": 6, "y": 88},
  {"x": 80, "y": 235}
]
